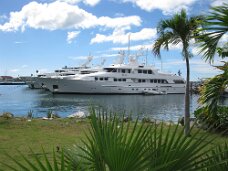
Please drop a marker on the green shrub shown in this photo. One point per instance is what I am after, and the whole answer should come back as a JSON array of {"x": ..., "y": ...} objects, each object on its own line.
[
  {"x": 7, "y": 115},
  {"x": 30, "y": 114},
  {"x": 114, "y": 145},
  {"x": 218, "y": 120}
]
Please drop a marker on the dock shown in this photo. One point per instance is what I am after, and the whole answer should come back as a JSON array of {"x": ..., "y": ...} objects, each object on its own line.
[{"x": 12, "y": 83}]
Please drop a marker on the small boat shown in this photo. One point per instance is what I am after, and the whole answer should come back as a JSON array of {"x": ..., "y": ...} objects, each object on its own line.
[{"x": 153, "y": 92}]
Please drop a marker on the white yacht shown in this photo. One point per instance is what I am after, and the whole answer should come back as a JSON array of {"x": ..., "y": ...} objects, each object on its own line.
[
  {"x": 118, "y": 79},
  {"x": 35, "y": 82}
]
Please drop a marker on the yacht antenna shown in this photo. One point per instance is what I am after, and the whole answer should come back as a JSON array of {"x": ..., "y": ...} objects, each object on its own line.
[
  {"x": 146, "y": 55},
  {"x": 129, "y": 39},
  {"x": 161, "y": 65},
  {"x": 89, "y": 59}
]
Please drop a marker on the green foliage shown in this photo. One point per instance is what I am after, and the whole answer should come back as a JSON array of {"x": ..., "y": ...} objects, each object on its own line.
[
  {"x": 214, "y": 27},
  {"x": 179, "y": 29},
  {"x": 7, "y": 115},
  {"x": 35, "y": 163},
  {"x": 115, "y": 145},
  {"x": 30, "y": 114},
  {"x": 51, "y": 114},
  {"x": 218, "y": 120},
  {"x": 213, "y": 89}
]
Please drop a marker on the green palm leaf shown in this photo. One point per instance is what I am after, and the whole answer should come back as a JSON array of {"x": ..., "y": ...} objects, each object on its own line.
[{"x": 214, "y": 27}]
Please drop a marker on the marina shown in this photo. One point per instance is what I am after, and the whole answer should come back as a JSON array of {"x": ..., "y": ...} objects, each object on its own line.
[{"x": 19, "y": 100}]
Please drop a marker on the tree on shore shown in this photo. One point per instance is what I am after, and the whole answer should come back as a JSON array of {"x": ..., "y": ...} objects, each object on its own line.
[{"x": 179, "y": 29}]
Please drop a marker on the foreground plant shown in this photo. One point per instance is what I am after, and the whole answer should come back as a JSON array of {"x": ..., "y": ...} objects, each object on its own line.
[{"x": 114, "y": 145}]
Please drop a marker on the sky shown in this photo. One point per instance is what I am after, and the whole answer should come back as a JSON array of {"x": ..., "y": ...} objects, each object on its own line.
[{"x": 45, "y": 35}]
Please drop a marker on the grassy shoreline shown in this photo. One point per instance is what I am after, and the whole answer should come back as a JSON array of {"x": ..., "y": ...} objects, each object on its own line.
[{"x": 21, "y": 134}]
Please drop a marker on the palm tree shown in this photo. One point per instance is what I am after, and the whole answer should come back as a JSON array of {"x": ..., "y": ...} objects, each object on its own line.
[
  {"x": 178, "y": 29},
  {"x": 214, "y": 28},
  {"x": 213, "y": 89}
]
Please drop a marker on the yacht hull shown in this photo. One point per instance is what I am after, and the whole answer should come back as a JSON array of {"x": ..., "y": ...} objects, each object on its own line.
[{"x": 98, "y": 87}]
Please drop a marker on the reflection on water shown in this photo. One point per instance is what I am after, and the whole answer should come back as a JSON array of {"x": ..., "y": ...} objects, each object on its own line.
[{"x": 20, "y": 99}]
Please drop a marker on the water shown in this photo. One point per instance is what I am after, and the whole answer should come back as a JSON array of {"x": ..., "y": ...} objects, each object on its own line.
[{"x": 19, "y": 100}]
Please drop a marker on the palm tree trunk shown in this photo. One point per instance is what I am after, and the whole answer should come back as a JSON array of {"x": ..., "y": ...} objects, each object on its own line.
[{"x": 187, "y": 97}]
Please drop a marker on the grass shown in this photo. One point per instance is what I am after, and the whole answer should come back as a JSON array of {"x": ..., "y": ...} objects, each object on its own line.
[{"x": 20, "y": 134}]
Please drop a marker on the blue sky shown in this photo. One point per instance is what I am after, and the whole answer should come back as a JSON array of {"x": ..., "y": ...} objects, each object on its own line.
[{"x": 48, "y": 34}]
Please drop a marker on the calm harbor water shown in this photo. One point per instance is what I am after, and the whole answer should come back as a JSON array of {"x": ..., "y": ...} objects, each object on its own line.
[{"x": 20, "y": 99}]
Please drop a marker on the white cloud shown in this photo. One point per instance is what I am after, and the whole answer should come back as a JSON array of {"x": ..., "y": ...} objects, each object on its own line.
[
  {"x": 218, "y": 2},
  {"x": 167, "y": 6},
  {"x": 14, "y": 70},
  {"x": 19, "y": 42},
  {"x": 72, "y": 35},
  {"x": 119, "y": 36},
  {"x": 3, "y": 17},
  {"x": 24, "y": 66},
  {"x": 62, "y": 15},
  {"x": 87, "y": 2},
  {"x": 91, "y": 2},
  {"x": 133, "y": 48}
]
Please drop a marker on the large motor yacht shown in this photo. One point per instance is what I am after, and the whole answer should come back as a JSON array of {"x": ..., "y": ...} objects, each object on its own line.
[{"x": 129, "y": 78}]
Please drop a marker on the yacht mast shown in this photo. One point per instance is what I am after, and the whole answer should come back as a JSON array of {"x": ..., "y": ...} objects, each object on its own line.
[{"x": 128, "y": 54}]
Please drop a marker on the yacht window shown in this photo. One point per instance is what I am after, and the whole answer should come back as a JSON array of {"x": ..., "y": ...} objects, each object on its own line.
[
  {"x": 123, "y": 70},
  {"x": 178, "y": 81},
  {"x": 155, "y": 81},
  {"x": 115, "y": 79},
  {"x": 101, "y": 78},
  {"x": 165, "y": 81},
  {"x": 159, "y": 81},
  {"x": 162, "y": 81},
  {"x": 114, "y": 70},
  {"x": 149, "y": 72},
  {"x": 139, "y": 71},
  {"x": 124, "y": 79},
  {"x": 144, "y": 71},
  {"x": 151, "y": 81},
  {"x": 143, "y": 81},
  {"x": 108, "y": 69},
  {"x": 119, "y": 79},
  {"x": 139, "y": 80},
  {"x": 96, "y": 78},
  {"x": 129, "y": 71},
  {"x": 106, "y": 78},
  {"x": 54, "y": 86}
]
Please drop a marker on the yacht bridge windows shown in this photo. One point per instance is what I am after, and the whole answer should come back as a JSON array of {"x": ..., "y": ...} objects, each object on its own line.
[
  {"x": 145, "y": 71},
  {"x": 115, "y": 79}
]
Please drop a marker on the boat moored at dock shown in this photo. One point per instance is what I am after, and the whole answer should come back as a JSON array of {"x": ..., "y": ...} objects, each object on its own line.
[{"x": 118, "y": 79}]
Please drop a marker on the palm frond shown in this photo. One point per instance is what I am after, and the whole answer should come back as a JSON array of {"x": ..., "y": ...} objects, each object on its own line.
[
  {"x": 214, "y": 88},
  {"x": 214, "y": 27}
]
